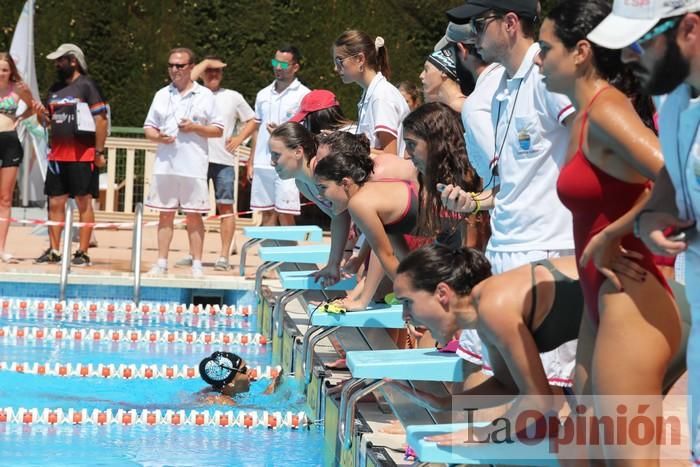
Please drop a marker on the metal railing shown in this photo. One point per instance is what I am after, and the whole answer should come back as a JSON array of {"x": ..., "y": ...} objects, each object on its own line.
[
  {"x": 65, "y": 256},
  {"x": 136, "y": 243}
]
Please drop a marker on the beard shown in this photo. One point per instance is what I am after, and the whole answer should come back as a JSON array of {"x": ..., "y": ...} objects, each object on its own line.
[
  {"x": 464, "y": 75},
  {"x": 668, "y": 74},
  {"x": 65, "y": 72}
]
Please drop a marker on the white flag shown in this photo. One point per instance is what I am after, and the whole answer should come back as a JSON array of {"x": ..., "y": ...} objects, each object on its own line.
[{"x": 30, "y": 132}]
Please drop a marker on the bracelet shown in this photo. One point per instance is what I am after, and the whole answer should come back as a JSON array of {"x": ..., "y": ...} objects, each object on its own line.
[
  {"x": 100, "y": 152},
  {"x": 477, "y": 208},
  {"x": 636, "y": 227}
]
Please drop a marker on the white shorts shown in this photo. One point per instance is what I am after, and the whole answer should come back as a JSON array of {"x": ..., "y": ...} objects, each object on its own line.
[
  {"x": 173, "y": 192},
  {"x": 558, "y": 363},
  {"x": 270, "y": 192}
]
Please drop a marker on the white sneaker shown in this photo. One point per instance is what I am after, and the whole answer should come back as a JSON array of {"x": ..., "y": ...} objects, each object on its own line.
[
  {"x": 197, "y": 273},
  {"x": 184, "y": 262},
  {"x": 222, "y": 264},
  {"x": 158, "y": 270}
]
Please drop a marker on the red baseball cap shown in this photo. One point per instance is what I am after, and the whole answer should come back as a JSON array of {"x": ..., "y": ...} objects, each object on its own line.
[{"x": 317, "y": 99}]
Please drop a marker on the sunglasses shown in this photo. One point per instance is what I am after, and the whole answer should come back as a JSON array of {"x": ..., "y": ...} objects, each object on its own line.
[
  {"x": 279, "y": 64},
  {"x": 662, "y": 28},
  {"x": 339, "y": 61},
  {"x": 481, "y": 24},
  {"x": 178, "y": 66}
]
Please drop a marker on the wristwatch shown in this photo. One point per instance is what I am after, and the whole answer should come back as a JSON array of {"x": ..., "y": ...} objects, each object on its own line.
[{"x": 637, "y": 221}]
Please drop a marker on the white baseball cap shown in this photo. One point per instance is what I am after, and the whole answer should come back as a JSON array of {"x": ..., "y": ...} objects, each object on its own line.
[
  {"x": 631, "y": 19},
  {"x": 69, "y": 49}
]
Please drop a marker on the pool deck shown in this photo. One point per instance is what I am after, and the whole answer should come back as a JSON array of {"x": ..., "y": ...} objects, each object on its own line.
[{"x": 111, "y": 261}]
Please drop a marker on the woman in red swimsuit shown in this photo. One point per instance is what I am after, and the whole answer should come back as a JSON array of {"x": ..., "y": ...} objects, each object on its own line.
[{"x": 632, "y": 327}]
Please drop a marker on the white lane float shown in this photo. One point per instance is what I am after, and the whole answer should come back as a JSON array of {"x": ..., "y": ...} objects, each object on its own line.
[{"x": 169, "y": 417}]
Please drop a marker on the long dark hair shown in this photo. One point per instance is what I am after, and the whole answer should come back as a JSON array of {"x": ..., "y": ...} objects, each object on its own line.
[
  {"x": 294, "y": 135},
  {"x": 573, "y": 20},
  {"x": 461, "y": 269},
  {"x": 345, "y": 161},
  {"x": 441, "y": 128}
]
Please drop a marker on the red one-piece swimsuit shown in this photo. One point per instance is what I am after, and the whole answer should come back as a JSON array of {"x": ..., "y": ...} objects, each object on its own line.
[{"x": 596, "y": 199}]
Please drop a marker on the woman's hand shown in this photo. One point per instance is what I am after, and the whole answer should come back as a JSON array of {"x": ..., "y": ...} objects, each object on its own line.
[
  {"x": 328, "y": 276},
  {"x": 611, "y": 259},
  {"x": 455, "y": 199}
]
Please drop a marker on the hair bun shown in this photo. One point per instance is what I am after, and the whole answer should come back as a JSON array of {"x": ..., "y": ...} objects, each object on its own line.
[{"x": 379, "y": 42}]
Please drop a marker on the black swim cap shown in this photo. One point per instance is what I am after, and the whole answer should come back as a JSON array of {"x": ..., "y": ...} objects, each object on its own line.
[{"x": 220, "y": 368}]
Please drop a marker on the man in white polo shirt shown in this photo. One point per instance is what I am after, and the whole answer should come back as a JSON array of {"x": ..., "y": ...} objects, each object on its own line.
[
  {"x": 277, "y": 199},
  {"x": 183, "y": 115},
  {"x": 476, "y": 111},
  {"x": 661, "y": 40},
  {"x": 223, "y": 165},
  {"x": 528, "y": 222}
]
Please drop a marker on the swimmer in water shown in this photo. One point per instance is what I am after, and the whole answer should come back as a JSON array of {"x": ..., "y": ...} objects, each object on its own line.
[{"x": 228, "y": 375}]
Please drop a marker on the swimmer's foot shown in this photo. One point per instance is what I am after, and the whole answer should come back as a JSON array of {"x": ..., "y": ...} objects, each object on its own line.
[
  {"x": 339, "y": 365},
  {"x": 394, "y": 428}
]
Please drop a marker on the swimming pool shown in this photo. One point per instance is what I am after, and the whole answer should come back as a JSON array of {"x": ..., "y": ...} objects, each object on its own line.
[{"x": 113, "y": 384}]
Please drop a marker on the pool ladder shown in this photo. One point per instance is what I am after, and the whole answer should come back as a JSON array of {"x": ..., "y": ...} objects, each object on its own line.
[{"x": 136, "y": 243}]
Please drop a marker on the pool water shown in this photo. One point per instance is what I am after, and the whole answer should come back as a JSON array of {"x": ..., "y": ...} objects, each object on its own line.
[{"x": 139, "y": 444}]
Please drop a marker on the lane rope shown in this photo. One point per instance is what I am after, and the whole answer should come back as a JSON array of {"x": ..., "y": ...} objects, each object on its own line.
[
  {"x": 168, "y": 417},
  {"x": 54, "y": 306},
  {"x": 123, "y": 371},
  {"x": 137, "y": 319},
  {"x": 26, "y": 333}
]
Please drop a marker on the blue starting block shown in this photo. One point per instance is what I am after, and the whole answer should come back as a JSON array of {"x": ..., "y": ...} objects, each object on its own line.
[
  {"x": 298, "y": 233},
  {"x": 517, "y": 453},
  {"x": 296, "y": 283},
  {"x": 369, "y": 368},
  {"x": 376, "y": 316}
]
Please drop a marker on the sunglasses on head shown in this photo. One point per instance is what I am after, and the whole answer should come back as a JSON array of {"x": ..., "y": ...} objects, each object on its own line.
[{"x": 276, "y": 63}]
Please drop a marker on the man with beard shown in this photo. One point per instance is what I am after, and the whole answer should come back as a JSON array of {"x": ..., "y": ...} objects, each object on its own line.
[
  {"x": 78, "y": 119},
  {"x": 661, "y": 39},
  {"x": 478, "y": 80}
]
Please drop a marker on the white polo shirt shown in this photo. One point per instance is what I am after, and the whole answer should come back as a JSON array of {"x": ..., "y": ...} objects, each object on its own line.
[
  {"x": 679, "y": 133},
  {"x": 476, "y": 117},
  {"x": 187, "y": 156},
  {"x": 233, "y": 109},
  {"x": 274, "y": 107},
  {"x": 532, "y": 142},
  {"x": 382, "y": 108}
]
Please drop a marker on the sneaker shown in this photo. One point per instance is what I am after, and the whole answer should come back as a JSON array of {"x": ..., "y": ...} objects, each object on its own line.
[
  {"x": 222, "y": 264},
  {"x": 197, "y": 273},
  {"x": 50, "y": 256},
  {"x": 157, "y": 270},
  {"x": 80, "y": 258},
  {"x": 184, "y": 262}
]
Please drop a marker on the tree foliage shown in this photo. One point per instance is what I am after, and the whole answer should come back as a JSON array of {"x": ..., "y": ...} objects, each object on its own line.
[{"x": 126, "y": 41}]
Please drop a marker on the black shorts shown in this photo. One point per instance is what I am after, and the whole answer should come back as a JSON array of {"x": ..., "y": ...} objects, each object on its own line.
[
  {"x": 11, "y": 151},
  {"x": 72, "y": 178}
]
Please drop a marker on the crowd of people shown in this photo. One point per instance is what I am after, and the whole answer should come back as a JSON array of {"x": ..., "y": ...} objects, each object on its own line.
[{"x": 524, "y": 204}]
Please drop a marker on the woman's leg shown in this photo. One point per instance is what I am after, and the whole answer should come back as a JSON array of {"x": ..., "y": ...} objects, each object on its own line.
[
  {"x": 8, "y": 179},
  {"x": 638, "y": 333}
]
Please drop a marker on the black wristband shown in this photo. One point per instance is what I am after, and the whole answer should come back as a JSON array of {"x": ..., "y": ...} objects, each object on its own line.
[{"x": 637, "y": 220}]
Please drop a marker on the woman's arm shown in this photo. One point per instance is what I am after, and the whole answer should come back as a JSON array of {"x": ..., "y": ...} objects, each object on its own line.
[
  {"x": 387, "y": 142},
  {"x": 364, "y": 213}
]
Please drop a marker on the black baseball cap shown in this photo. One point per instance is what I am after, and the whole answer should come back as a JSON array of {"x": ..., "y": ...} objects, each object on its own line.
[{"x": 474, "y": 8}]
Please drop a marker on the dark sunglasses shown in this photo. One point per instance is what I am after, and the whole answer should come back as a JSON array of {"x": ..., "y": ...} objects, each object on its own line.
[
  {"x": 480, "y": 24},
  {"x": 178, "y": 66}
]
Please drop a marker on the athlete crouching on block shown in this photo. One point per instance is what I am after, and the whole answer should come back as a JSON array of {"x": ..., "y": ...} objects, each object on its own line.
[
  {"x": 518, "y": 314},
  {"x": 228, "y": 375}
]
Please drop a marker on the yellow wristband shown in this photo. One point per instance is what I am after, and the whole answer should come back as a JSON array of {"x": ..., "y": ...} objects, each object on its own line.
[{"x": 477, "y": 208}]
